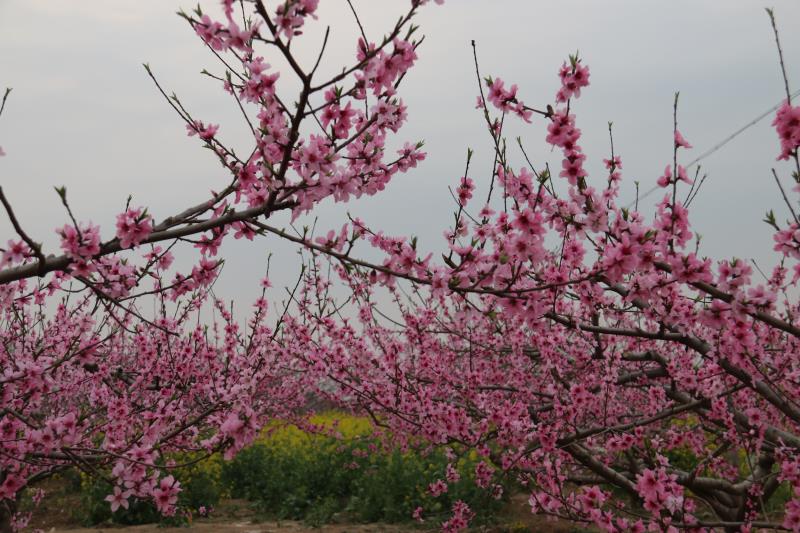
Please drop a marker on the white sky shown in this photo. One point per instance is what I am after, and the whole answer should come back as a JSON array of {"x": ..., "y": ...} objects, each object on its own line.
[{"x": 84, "y": 114}]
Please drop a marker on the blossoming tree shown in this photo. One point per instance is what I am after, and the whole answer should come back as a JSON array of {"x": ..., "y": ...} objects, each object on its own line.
[
  {"x": 109, "y": 360},
  {"x": 580, "y": 347}
]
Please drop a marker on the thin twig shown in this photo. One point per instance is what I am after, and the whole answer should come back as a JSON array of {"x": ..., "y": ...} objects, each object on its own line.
[
  {"x": 321, "y": 50},
  {"x": 5, "y": 97},
  {"x": 785, "y": 198},
  {"x": 358, "y": 21},
  {"x": 35, "y": 247},
  {"x": 771, "y": 14}
]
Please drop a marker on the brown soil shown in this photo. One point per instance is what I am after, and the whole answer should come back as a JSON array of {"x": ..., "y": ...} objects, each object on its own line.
[
  {"x": 56, "y": 514},
  {"x": 246, "y": 526}
]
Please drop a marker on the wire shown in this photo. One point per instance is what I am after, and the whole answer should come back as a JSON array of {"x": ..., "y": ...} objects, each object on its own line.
[{"x": 719, "y": 145}]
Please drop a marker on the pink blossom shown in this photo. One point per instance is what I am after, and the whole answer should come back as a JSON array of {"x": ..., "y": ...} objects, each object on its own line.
[
  {"x": 460, "y": 518},
  {"x": 437, "y": 488},
  {"x": 452, "y": 474},
  {"x": 574, "y": 77},
  {"x": 506, "y": 99},
  {"x": 680, "y": 142},
  {"x": 210, "y": 32},
  {"x": 464, "y": 191},
  {"x": 614, "y": 163},
  {"x": 80, "y": 244},
  {"x": 787, "y": 124},
  {"x": 291, "y": 15},
  {"x": 16, "y": 252},
  {"x": 133, "y": 227},
  {"x": 483, "y": 474},
  {"x": 205, "y": 272},
  {"x": 205, "y": 132},
  {"x": 118, "y": 498},
  {"x": 166, "y": 495},
  {"x": 666, "y": 178},
  {"x": 791, "y": 518},
  {"x": 11, "y": 485}
]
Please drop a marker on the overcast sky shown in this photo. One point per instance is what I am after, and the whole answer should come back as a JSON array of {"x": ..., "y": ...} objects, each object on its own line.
[{"x": 84, "y": 113}]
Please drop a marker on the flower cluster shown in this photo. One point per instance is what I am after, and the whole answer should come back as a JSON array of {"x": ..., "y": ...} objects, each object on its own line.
[
  {"x": 573, "y": 341},
  {"x": 787, "y": 124},
  {"x": 107, "y": 355},
  {"x": 133, "y": 227},
  {"x": 464, "y": 191},
  {"x": 291, "y": 16},
  {"x": 574, "y": 76},
  {"x": 460, "y": 518},
  {"x": 80, "y": 242},
  {"x": 506, "y": 99},
  {"x": 658, "y": 490}
]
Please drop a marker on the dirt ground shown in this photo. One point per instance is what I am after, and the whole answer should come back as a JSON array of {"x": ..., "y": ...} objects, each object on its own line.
[
  {"x": 244, "y": 526},
  {"x": 515, "y": 522},
  {"x": 56, "y": 514},
  {"x": 247, "y": 526}
]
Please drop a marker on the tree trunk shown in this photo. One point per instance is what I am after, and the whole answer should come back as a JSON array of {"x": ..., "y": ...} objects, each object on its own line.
[{"x": 7, "y": 510}]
